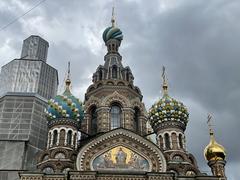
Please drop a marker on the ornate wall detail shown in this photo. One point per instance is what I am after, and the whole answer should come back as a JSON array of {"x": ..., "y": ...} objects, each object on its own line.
[
  {"x": 115, "y": 97},
  {"x": 127, "y": 139}
]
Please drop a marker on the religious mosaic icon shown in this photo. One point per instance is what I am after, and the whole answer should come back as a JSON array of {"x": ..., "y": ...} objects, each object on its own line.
[{"x": 120, "y": 158}]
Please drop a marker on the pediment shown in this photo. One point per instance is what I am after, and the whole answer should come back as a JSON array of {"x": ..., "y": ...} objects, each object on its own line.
[{"x": 121, "y": 150}]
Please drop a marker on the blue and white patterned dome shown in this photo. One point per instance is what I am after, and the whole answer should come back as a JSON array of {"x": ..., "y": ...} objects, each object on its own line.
[
  {"x": 112, "y": 33},
  {"x": 168, "y": 109},
  {"x": 65, "y": 106}
]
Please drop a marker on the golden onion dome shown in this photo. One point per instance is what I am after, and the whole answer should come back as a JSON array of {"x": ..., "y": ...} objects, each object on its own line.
[{"x": 214, "y": 151}]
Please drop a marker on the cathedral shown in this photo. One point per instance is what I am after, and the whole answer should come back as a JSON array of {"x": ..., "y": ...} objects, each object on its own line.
[{"x": 109, "y": 135}]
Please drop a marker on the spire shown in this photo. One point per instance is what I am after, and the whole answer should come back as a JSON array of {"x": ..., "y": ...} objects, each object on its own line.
[
  {"x": 68, "y": 81},
  {"x": 113, "y": 21},
  {"x": 209, "y": 122},
  {"x": 209, "y": 117},
  {"x": 165, "y": 83}
]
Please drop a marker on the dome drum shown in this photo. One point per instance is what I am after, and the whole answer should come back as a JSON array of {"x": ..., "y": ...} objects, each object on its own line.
[
  {"x": 63, "y": 121},
  {"x": 157, "y": 126}
]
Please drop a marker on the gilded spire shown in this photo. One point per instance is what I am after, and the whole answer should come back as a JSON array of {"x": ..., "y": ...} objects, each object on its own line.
[
  {"x": 165, "y": 83},
  {"x": 113, "y": 20},
  {"x": 68, "y": 81}
]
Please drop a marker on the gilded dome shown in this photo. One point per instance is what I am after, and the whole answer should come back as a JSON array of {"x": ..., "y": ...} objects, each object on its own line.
[
  {"x": 65, "y": 106},
  {"x": 168, "y": 109},
  {"x": 214, "y": 151},
  {"x": 112, "y": 33}
]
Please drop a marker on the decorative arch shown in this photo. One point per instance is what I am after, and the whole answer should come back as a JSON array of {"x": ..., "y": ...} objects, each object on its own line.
[
  {"x": 137, "y": 103},
  {"x": 121, "y": 83},
  {"x": 92, "y": 101},
  {"x": 91, "y": 88},
  {"x": 60, "y": 150},
  {"x": 121, "y": 138},
  {"x": 99, "y": 85},
  {"x": 184, "y": 157},
  {"x": 115, "y": 97},
  {"x": 109, "y": 83}
]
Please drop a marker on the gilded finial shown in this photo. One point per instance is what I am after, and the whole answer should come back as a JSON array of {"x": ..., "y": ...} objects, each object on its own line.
[
  {"x": 113, "y": 21},
  {"x": 165, "y": 84},
  {"x": 68, "y": 81}
]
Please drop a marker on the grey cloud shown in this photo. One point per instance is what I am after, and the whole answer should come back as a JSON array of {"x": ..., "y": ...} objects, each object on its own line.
[{"x": 197, "y": 41}]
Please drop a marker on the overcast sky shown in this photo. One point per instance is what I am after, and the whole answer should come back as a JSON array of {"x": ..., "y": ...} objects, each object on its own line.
[{"x": 198, "y": 42}]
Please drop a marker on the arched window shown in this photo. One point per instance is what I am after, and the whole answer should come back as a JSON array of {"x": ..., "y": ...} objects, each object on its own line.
[
  {"x": 174, "y": 140},
  {"x": 167, "y": 141},
  {"x": 60, "y": 156},
  {"x": 62, "y": 137},
  {"x": 136, "y": 119},
  {"x": 177, "y": 158},
  {"x": 115, "y": 116},
  {"x": 114, "y": 71},
  {"x": 180, "y": 139},
  {"x": 48, "y": 170},
  {"x": 55, "y": 134},
  {"x": 49, "y": 138},
  {"x": 69, "y": 137},
  {"x": 93, "y": 120},
  {"x": 161, "y": 141}
]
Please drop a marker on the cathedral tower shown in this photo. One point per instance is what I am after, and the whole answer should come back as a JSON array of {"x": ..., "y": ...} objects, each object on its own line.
[
  {"x": 169, "y": 118},
  {"x": 112, "y": 101},
  {"x": 64, "y": 114}
]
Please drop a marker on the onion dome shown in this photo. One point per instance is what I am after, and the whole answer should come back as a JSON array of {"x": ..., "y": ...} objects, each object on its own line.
[
  {"x": 65, "y": 106},
  {"x": 213, "y": 150},
  {"x": 167, "y": 109},
  {"x": 112, "y": 32}
]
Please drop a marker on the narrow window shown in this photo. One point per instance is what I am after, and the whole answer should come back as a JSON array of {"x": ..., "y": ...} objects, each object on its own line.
[
  {"x": 62, "y": 137},
  {"x": 93, "y": 120},
  {"x": 100, "y": 75},
  {"x": 180, "y": 141},
  {"x": 127, "y": 76},
  {"x": 69, "y": 137},
  {"x": 115, "y": 116},
  {"x": 55, "y": 134},
  {"x": 136, "y": 119},
  {"x": 167, "y": 141},
  {"x": 114, "y": 72}
]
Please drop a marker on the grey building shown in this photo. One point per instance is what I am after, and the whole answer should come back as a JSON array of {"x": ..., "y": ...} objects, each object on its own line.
[
  {"x": 27, "y": 75},
  {"x": 23, "y": 132},
  {"x": 25, "y": 86},
  {"x": 35, "y": 48}
]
